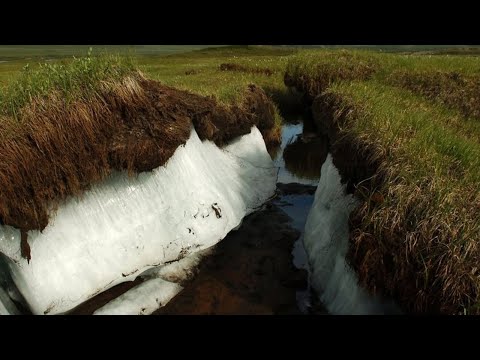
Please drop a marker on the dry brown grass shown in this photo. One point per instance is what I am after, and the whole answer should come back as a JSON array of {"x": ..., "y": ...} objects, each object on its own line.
[
  {"x": 53, "y": 150},
  {"x": 415, "y": 235},
  {"x": 405, "y": 137}
]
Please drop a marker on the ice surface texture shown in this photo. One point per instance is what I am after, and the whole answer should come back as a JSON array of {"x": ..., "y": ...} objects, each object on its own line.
[{"x": 124, "y": 226}]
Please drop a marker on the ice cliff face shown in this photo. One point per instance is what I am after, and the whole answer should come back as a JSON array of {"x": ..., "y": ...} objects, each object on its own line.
[
  {"x": 326, "y": 244},
  {"x": 124, "y": 226}
]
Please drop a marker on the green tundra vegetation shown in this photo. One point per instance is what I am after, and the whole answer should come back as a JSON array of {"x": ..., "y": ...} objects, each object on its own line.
[{"x": 404, "y": 130}]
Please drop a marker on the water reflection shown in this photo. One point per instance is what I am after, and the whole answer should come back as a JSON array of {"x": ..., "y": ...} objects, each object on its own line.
[
  {"x": 297, "y": 208},
  {"x": 305, "y": 155},
  {"x": 299, "y": 159},
  {"x": 301, "y": 153}
]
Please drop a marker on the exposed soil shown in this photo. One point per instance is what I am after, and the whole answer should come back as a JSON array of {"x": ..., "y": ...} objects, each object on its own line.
[
  {"x": 250, "y": 272},
  {"x": 289, "y": 102},
  {"x": 392, "y": 263},
  {"x": 134, "y": 125},
  {"x": 360, "y": 170}
]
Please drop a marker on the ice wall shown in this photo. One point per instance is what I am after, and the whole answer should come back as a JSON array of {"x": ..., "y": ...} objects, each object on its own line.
[
  {"x": 124, "y": 226},
  {"x": 326, "y": 244}
]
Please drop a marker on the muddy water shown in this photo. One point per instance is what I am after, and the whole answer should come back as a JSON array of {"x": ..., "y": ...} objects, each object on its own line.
[
  {"x": 300, "y": 160},
  {"x": 297, "y": 206}
]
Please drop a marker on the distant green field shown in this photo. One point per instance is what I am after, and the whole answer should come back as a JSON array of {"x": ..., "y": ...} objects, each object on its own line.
[
  {"x": 170, "y": 65},
  {"x": 165, "y": 62},
  {"x": 14, "y": 57},
  {"x": 9, "y": 52}
]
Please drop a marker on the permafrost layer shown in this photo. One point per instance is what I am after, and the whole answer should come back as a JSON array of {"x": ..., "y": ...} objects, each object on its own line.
[
  {"x": 124, "y": 226},
  {"x": 326, "y": 244}
]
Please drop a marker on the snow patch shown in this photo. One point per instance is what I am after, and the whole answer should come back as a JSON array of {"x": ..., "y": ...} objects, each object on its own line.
[{"x": 124, "y": 226}]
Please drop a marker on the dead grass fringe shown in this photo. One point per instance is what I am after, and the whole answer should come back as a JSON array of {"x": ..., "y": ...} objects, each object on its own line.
[
  {"x": 401, "y": 245},
  {"x": 57, "y": 150}
]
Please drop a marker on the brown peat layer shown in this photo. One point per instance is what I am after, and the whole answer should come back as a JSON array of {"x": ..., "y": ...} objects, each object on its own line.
[
  {"x": 53, "y": 148},
  {"x": 414, "y": 236}
]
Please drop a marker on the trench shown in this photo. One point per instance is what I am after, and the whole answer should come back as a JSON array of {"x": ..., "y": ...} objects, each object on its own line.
[
  {"x": 299, "y": 159},
  {"x": 262, "y": 266}
]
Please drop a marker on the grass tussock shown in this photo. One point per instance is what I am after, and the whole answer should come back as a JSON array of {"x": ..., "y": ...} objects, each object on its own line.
[
  {"x": 416, "y": 233},
  {"x": 453, "y": 89},
  {"x": 406, "y": 141},
  {"x": 66, "y": 126},
  {"x": 314, "y": 72},
  {"x": 80, "y": 78}
]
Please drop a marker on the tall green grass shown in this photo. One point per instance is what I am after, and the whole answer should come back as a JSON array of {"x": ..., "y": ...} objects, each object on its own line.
[
  {"x": 313, "y": 71},
  {"x": 78, "y": 78},
  {"x": 431, "y": 210}
]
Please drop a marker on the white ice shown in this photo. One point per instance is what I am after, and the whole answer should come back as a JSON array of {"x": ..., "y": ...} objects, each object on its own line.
[
  {"x": 142, "y": 299},
  {"x": 124, "y": 226},
  {"x": 178, "y": 271},
  {"x": 326, "y": 244},
  {"x": 161, "y": 285}
]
